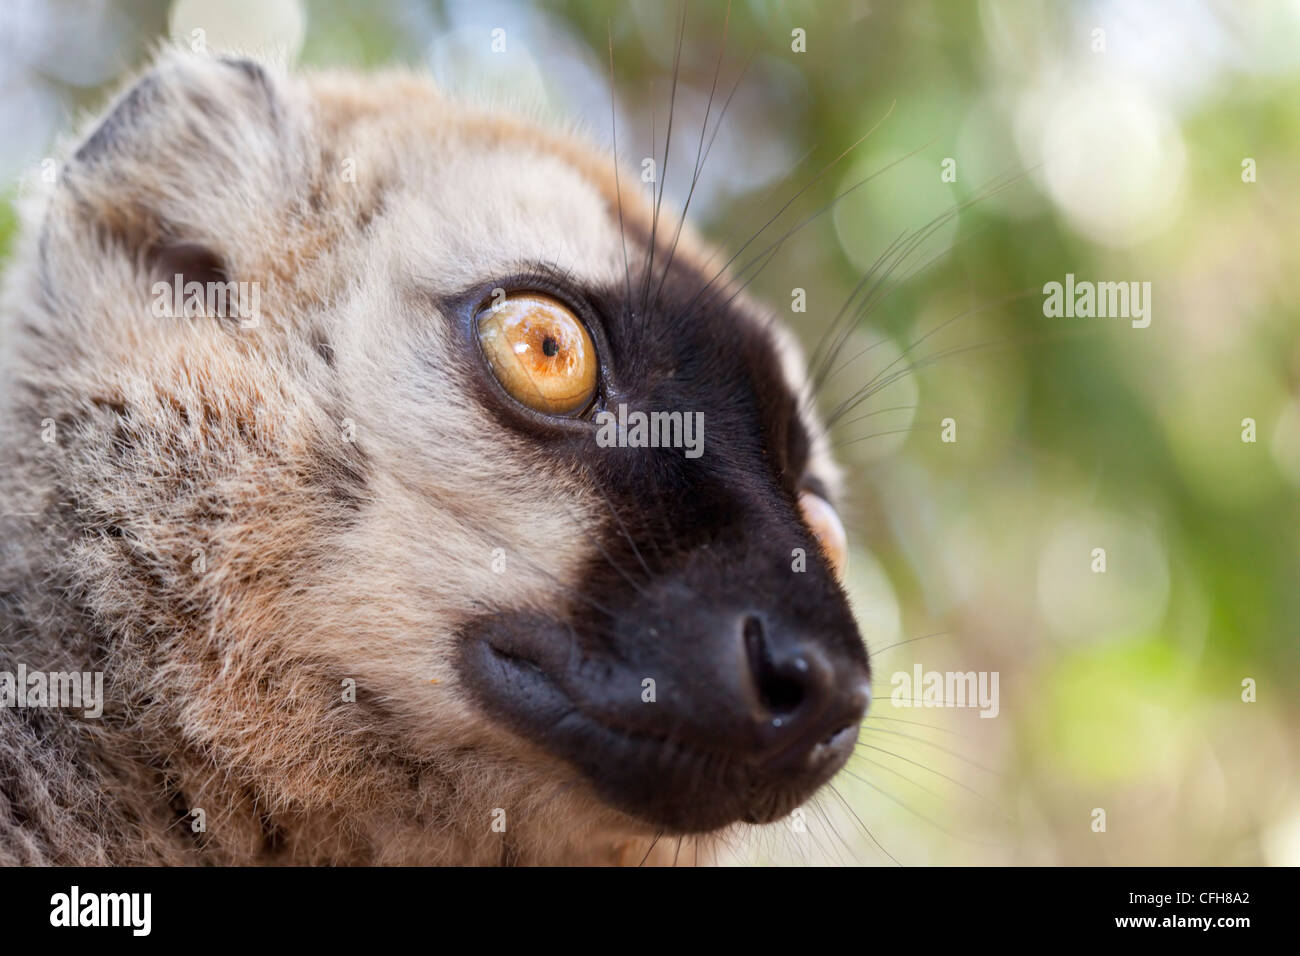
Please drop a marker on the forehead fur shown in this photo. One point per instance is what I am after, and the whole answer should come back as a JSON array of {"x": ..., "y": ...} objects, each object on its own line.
[{"x": 472, "y": 195}]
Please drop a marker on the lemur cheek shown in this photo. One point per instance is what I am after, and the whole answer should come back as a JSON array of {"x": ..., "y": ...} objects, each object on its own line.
[{"x": 827, "y": 528}]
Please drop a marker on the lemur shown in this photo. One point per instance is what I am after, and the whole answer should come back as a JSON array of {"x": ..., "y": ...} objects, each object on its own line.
[{"x": 362, "y": 584}]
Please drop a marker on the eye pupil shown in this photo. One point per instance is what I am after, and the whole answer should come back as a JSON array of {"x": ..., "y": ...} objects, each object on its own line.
[{"x": 550, "y": 347}]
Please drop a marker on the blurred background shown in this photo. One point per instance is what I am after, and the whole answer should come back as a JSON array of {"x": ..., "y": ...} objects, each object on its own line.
[{"x": 1011, "y": 144}]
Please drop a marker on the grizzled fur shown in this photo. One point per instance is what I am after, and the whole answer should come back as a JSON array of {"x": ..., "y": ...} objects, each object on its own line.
[{"x": 202, "y": 530}]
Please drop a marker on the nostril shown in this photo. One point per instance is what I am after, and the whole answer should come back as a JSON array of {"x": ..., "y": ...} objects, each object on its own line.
[{"x": 781, "y": 688}]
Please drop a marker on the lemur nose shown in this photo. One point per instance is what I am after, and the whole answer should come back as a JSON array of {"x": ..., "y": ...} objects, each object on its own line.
[{"x": 805, "y": 710}]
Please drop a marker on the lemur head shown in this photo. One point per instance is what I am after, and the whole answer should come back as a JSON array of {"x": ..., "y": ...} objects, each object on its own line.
[{"x": 397, "y": 476}]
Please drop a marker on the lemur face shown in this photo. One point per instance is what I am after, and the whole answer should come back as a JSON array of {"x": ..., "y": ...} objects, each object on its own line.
[
  {"x": 401, "y": 480},
  {"x": 703, "y": 666}
]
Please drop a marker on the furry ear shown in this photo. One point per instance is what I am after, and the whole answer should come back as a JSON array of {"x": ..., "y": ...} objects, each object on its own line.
[{"x": 188, "y": 164}]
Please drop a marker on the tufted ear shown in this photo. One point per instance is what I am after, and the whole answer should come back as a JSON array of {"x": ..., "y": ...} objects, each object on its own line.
[{"x": 184, "y": 173}]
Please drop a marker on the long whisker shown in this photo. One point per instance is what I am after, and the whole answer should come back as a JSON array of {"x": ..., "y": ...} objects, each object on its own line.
[
  {"x": 565, "y": 588},
  {"x": 789, "y": 202},
  {"x": 618, "y": 188},
  {"x": 897, "y": 253},
  {"x": 767, "y": 253},
  {"x": 822, "y": 371},
  {"x": 866, "y": 829},
  {"x": 942, "y": 749},
  {"x": 918, "y": 723},
  {"x": 853, "y": 402},
  {"x": 594, "y": 538},
  {"x": 937, "y": 773},
  {"x": 830, "y": 825},
  {"x": 654, "y": 843},
  {"x": 627, "y": 536},
  {"x": 910, "y": 640},
  {"x": 899, "y": 774},
  {"x": 918, "y": 813},
  {"x": 663, "y": 170},
  {"x": 700, "y": 154}
]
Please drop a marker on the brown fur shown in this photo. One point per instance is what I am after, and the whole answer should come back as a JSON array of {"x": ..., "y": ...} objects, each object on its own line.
[{"x": 325, "y": 559}]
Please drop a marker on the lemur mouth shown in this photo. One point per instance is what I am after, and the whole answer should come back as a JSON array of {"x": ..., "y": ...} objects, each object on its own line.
[{"x": 654, "y": 762}]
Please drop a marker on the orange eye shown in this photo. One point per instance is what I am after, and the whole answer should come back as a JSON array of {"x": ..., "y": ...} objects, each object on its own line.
[
  {"x": 540, "y": 353},
  {"x": 826, "y": 527}
]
